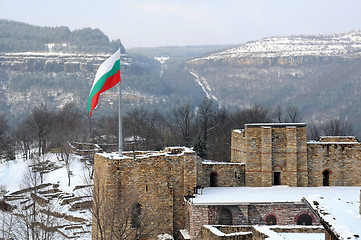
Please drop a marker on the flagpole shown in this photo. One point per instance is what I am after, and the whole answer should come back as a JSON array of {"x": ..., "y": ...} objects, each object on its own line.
[{"x": 120, "y": 118}]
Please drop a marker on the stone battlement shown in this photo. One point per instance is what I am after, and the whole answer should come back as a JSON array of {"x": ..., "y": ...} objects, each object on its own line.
[{"x": 338, "y": 139}]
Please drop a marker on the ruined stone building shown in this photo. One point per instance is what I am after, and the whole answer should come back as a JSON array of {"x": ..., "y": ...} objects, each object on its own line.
[
  {"x": 279, "y": 154},
  {"x": 175, "y": 192}
]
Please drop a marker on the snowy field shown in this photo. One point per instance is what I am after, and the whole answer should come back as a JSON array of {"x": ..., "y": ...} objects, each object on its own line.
[
  {"x": 12, "y": 173},
  {"x": 72, "y": 222}
]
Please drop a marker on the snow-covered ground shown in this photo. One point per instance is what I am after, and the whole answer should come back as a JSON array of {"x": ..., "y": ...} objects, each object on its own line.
[
  {"x": 340, "y": 214},
  {"x": 61, "y": 199},
  {"x": 12, "y": 173}
]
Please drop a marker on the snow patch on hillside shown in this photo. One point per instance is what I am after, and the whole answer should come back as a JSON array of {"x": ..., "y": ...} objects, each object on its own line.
[
  {"x": 205, "y": 86},
  {"x": 316, "y": 45}
]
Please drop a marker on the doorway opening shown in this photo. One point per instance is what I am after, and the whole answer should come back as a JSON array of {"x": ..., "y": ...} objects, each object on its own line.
[
  {"x": 213, "y": 179},
  {"x": 326, "y": 178},
  {"x": 276, "y": 178}
]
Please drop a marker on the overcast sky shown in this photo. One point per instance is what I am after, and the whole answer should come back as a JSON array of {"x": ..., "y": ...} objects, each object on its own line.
[{"x": 150, "y": 23}]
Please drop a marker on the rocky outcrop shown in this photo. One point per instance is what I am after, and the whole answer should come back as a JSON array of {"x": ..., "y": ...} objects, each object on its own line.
[{"x": 55, "y": 62}]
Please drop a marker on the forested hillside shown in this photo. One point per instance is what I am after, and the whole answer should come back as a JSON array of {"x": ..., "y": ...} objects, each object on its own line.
[
  {"x": 22, "y": 37},
  {"x": 54, "y": 66},
  {"x": 317, "y": 75}
]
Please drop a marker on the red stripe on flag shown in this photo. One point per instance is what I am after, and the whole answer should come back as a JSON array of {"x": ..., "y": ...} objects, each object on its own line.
[{"x": 109, "y": 83}]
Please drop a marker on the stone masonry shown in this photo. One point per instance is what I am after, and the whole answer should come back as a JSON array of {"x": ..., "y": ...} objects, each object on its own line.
[
  {"x": 162, "y": 184},
  {"x": 338, "y": 157},
  {"x": 266, "y": 149},
  {"x": 225, "y": 174},
  {"x": 158, "y": 181},
  {"x": 245, "y": 214},
  {"x": 272, "y": 151}
]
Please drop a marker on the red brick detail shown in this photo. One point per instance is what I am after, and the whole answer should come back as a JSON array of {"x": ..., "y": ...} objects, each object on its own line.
[
  {"x": 284, "y": 152},
  {"x": 329, "y": 170}
]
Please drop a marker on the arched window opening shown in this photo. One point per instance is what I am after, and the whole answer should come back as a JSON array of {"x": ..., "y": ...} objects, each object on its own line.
[
  {"x": 271, "y": 220},
  {"x": 304, "y": 219},
  {"x": 213, "y": 179},
  {"x": 326, "y": 178},
  {"x": 225, "y": 217},
  {"x": 136, "y": 212}
]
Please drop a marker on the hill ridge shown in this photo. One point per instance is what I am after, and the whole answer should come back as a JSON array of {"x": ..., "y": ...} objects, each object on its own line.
[{"x": 318, "y": 74}]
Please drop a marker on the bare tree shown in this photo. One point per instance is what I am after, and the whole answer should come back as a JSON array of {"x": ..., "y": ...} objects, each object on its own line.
[
  {"x": 135, "y": 121},
  {"x": 221, "y": 136},
  {"x": 67, "y": 156},
  {"x": 337, "y": 127},
  {"x": 6, "y": 141},
  {"x": 7, "y": 223},
  {"x": 255, "y": 114},
  {"x": 39, "y": 121},
  {"x": 24, "y": 137},
  {"x": 3, "y": 124},
  {"x": 64, "y": 130},
  {"x": 145, "y": 128},
  {"x": 314, "y": 132},
  {"x": 293, "y": 114},
  {"x": 180, "y": 120},
  {"x": 206, "y": 116},
  {"x": 102, "y": 223},
  {"x": 278, "y": 113}
]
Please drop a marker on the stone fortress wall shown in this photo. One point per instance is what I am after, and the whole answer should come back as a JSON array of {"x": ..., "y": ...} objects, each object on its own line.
[
  {"x": 163, "y": 183},
  {"x": 159, "y": 182},
  {"x": 279, "y": 154},
  {"x": 274, "y": 154},
  {"x": 334, "y": 161}
]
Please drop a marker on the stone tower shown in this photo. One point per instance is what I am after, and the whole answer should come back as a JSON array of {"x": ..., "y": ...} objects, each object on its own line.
[
  {"x": 274, "y": 154},
  {"x": 154, "y": 184}
]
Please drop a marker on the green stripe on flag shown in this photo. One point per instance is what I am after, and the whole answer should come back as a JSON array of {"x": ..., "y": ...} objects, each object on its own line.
[{"x": 100, "y": 83}]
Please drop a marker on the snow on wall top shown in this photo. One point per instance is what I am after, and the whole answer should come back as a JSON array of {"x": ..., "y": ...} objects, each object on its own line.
[
  {"x": 275, "y": 125},
  {"x": 314, "y": 45},
  {"x": 210, "y": 162},
  {"x": 169, "y": 151},
  {"x": 277, "y": 194}
]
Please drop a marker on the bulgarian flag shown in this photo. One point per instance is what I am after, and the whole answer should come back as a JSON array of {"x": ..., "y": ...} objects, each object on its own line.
[{"x": 108, "y": 75}]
